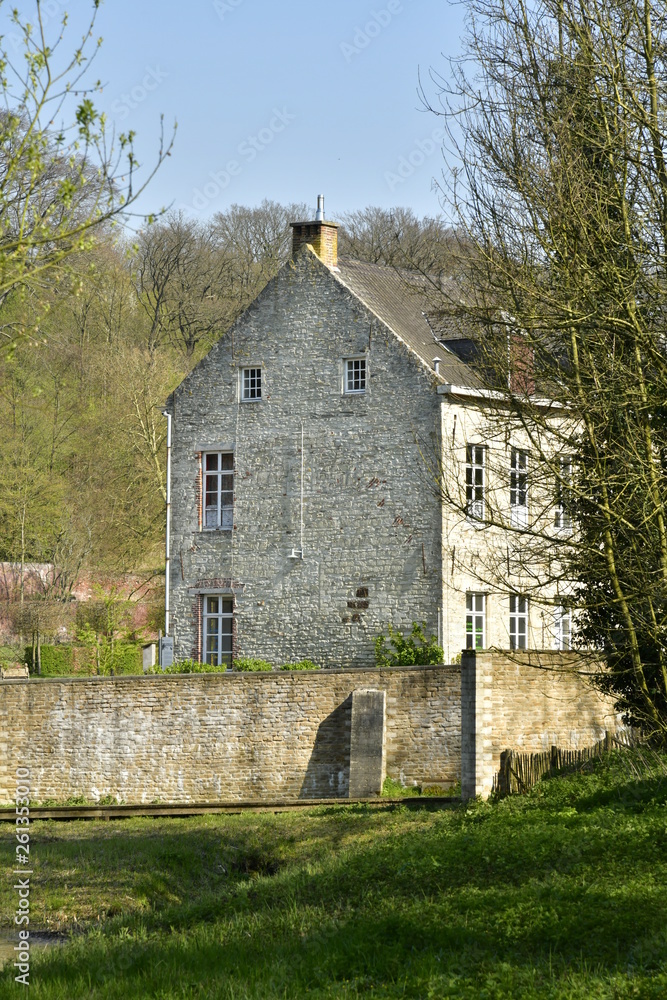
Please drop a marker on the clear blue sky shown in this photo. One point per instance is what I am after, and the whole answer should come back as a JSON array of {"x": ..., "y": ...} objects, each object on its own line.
[{"x": 276, "y": 100}]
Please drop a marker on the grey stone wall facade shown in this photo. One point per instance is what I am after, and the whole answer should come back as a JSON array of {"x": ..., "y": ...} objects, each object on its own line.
[
  {"x": 221, "y": 737},
  {"x": 371, "y": 526}
]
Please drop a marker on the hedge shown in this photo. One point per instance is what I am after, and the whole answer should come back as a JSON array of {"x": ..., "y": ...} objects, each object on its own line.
[
  {"x": 128, "y": 658},
  {"x": 65, "y": 660},
  {"x": 57, "y": 661}
]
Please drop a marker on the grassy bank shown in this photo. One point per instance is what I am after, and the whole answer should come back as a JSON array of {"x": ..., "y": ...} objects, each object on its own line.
[{"x": 560, "y": 894}]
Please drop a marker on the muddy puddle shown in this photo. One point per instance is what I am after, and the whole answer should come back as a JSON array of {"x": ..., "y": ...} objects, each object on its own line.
[{"x": 39, "y": 941}]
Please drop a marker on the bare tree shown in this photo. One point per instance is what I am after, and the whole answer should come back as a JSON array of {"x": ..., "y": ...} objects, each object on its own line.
[
  {"x": 39, "y": 619},
  {"x": 255, "y": 242},
  {"x": 182, "y": 282},
  {"x": 558, "y": 179},
  {"x": 397, "y": 238}
]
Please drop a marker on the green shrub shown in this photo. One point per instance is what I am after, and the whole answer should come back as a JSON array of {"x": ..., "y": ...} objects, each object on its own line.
[
  {"x": 395, "y": 789},
  {"x": 244, "y": 664},
  {"x": 301, "y": 665},
  {"x": 190, "y": 667},
  {"x": 249, "y": 663},
  {"x": 413, "y": 650}
]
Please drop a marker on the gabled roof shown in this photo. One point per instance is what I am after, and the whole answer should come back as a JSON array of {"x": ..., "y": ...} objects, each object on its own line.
[{"x": 399, "y": 299}]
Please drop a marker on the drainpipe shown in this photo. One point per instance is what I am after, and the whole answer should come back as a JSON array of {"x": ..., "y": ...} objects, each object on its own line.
[{"x": 167, "y": 545}]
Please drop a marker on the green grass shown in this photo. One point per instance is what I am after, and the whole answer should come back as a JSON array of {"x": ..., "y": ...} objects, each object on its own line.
[{"x": 558, "y": 895}]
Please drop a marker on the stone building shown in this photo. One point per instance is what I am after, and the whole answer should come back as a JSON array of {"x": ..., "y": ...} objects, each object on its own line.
[{"x": 305, "y": 509}]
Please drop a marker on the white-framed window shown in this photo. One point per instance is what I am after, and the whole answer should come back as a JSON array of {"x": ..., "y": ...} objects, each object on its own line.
[
  {"x": 475, "y": 621},
  {"x": 251, "y": 384},
  {"x": 218, "y": 627},
  {"x": 354, "y": 378},
  {"x": 562, "y": 516},
  {"x": 218, "y": 493},
  {"x": 562, "y": 627},
  {"x": 475, "y": 481},
  {"x": 519, "y": 488},
  {"x": 518, "y": 621}
]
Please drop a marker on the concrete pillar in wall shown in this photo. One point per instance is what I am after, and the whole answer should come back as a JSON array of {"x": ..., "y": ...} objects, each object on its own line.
[
  {"x": 367, "y": 743},
  {"x": 476, "y": 724}
]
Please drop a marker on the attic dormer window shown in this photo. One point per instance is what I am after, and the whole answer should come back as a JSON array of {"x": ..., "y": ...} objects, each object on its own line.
[
  {"x": 355, "y": 375},
  {"x": 251, "y": 384}
]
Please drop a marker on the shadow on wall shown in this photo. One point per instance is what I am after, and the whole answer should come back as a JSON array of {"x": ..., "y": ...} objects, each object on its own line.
[{"x": 328, "y": 771}]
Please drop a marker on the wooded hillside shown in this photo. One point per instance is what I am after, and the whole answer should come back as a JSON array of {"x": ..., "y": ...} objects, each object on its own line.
[{"x": 82, "y": 437}]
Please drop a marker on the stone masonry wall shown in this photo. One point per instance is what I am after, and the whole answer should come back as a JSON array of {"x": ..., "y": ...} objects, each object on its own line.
[
  {"x": 371, "y": 525},
  {"x": 526, "y": 701},
  {"x": 212, "y": 737}
]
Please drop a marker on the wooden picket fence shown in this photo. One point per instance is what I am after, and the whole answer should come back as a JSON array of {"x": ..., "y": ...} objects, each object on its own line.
[{"x": 520, "y": 771}]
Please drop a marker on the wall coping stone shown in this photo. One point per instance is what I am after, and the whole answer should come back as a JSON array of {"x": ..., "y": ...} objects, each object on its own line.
[
  {"x": 223, "y": 737},
  {"x": 261, "y": 675}
]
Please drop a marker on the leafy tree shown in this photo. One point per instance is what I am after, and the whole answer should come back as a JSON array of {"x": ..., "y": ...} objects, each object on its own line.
[
  {"x": 33, "y": 515},
  {"x": 103, "y": 624},
  {"x": 558, "y": 179},
  {"x": 62, "y": 177}
]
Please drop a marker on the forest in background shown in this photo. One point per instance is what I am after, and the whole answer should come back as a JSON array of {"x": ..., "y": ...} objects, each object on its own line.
[{"x": 82, "y": 436}]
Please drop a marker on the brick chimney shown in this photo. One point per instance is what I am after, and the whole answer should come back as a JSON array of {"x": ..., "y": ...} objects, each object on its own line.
[
  {"x": 522, "y": 366},
  {"x": 322, "y": 236}
]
